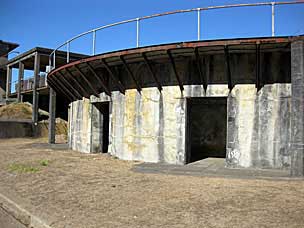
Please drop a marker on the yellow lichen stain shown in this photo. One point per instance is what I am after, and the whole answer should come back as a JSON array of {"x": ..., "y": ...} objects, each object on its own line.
[
  {"x": 133, "y": 147},
  {"x": 150, "y": 99},
  {"x": 130, "y": 115}
]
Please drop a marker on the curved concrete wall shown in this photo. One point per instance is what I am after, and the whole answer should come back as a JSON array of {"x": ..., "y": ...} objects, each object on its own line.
[{"x": 151, "y": 126}]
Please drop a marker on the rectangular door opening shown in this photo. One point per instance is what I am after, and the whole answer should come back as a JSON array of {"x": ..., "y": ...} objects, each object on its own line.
[
  {"x": 206, "y": 128},
  {"x": 102, "y": 124}
]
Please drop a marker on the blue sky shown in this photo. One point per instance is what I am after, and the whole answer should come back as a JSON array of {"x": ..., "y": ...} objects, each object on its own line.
[{"x": 34, "y": 23}]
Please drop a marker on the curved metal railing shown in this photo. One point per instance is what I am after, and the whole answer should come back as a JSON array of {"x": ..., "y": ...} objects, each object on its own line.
[{"x": 138, "y": 19}]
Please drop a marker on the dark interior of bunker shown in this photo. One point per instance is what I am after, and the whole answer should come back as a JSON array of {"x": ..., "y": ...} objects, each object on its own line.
[
  {"x": 103, "y": 108},
  {"x": 206, "y": 128}
]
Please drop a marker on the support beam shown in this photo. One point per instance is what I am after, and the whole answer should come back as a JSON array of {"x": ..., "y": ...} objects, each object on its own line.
[
  {"x": 66, "y": 82},
  {"x": 227, "y": 65},
  {"x": 151, "y": 72},
  {"x": 83, "y": 90},
  {"x": 95, "y": 92},
  {"x": 52, "y": 84},
  {"x": 52, "y": 117},
  {"x": 113, "y": 77},
  {"x": 102, "y": 83},
  {"x": 258, "y": 67},
  {"x": 35, "y": 92},
  {"x": 20, "y": 80},
  {"x": 130, "y": 73},
  {"x": 59, "y": 86},
  {"x": 297, "y": 108},
  {"x": 180, "y": 83},
  {"x": 199, "y": 68},
  {"x": 8, "y": 81}
]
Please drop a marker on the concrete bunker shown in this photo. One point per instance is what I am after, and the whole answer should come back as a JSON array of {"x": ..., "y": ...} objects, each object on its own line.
[
  {"x": 206, "y": 128},
  {"x": 149, "y": 90}
]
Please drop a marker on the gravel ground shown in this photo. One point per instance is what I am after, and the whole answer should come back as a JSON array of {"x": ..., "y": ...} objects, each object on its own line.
[{"x": 70, "y": 189}]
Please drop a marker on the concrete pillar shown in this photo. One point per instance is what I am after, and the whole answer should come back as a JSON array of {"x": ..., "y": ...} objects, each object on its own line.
[
  {"x": 35, "y": 93},
  {"x": 20, "y": 80},
  {"x": 297, "y": 108},
  {"x": 8, "y": 81},
  {"x": 52, "y": 116}
]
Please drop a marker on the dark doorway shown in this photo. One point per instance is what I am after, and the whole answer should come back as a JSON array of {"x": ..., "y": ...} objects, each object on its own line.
[
  {"x": 206, "y": 128},
  {"x": 103, "y": 124}
]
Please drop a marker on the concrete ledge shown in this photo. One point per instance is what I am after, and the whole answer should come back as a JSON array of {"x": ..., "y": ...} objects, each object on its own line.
[
  {"x": 215, "y": 167},
  {"x": 21, "y": 215},
  {"x": 15, "y": 128}
]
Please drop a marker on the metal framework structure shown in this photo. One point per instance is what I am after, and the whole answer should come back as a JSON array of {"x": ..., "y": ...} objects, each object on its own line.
[
  {"x": 100, "y": 73},
  {"x": 52, "y": 58}
]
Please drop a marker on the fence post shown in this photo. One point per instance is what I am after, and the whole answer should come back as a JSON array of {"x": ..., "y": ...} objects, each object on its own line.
[
  {"x": 68, "y": 52},
  {"x": 54, "y": 59},
  {"x": 198, "y": 23},
  {"x": 272, "y": 18},
  {"x": 94, "y": 42},
  {"x": 137, "y": 32}
]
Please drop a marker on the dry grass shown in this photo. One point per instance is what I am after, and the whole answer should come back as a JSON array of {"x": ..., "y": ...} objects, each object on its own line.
[
  {"x": 82, "y": 190},
  {"x": 23, "y": 111},
  {"x": 16, "y": 111}
]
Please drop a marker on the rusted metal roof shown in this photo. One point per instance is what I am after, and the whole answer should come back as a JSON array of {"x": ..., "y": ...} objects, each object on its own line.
[{"x": 58, "y": 77}]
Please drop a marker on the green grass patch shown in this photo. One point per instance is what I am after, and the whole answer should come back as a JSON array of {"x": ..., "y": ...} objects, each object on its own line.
[
  {"x": 23, "y": 168},
  {"x": 28, "y": 168},
  {"x": 44, "y": 162}
]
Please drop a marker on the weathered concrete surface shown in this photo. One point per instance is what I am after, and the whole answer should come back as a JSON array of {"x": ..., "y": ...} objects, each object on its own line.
[
  {"x": 151, "y": 126},
  {"x": 297, "y": 118},
  {"x": 13, "y": 215},
  {"x": 8, "y": 221},
  {"x": 15, "y": 129},
  {"x": 85, "y": 125},
  {"x": 80, "y": 126},
  {"x": 259, "y": 126},
  {"x": 213, "y": 167}
]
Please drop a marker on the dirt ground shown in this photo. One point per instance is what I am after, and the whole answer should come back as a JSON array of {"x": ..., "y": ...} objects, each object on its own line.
[{"x": 70, "y": 189}]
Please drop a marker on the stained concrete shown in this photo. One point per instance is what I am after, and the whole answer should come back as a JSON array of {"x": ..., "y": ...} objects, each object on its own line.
[
  {"x": 151, "y": 126},
  {"x": 212, "y": 167},
  {"x": 259, "y": 126},
  {"x": 297, "y": 118},
  {"x": 16, "y": 128},
  {"x": 8, "y": 221}
]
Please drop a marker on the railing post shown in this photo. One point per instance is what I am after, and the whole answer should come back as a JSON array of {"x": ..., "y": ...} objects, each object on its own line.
[
  {"x": 50, "y": 61},
  {"x": 54, "y": 59},
  {"x": 68, "y": 52},
  {"x": 198, "y": 23},
  {"x": 137, "y": 32},
  {"x": 94, "y": 42},
  {"x": 8, "y": 81},
  {"x": 272, "y": 18}
]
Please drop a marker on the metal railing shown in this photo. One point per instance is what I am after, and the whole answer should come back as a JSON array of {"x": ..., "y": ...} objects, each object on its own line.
[
  {"x": 52, "y": 57},
  {"x": 27, "y": 83}
]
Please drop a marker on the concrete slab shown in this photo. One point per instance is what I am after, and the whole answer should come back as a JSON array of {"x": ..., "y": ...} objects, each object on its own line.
[
  {"x": 57, "y": 146},
  {"x": 213, "y": 167},
  {"x": 9, "y": 221},
  {"x": 12, "y": 215}
]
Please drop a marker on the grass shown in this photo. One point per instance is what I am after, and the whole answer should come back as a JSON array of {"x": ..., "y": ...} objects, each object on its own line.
[
  {"x": 25, "y": 168},
  {"x": 44, "y": 162},
  {"x": 22, "y": 168}
]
